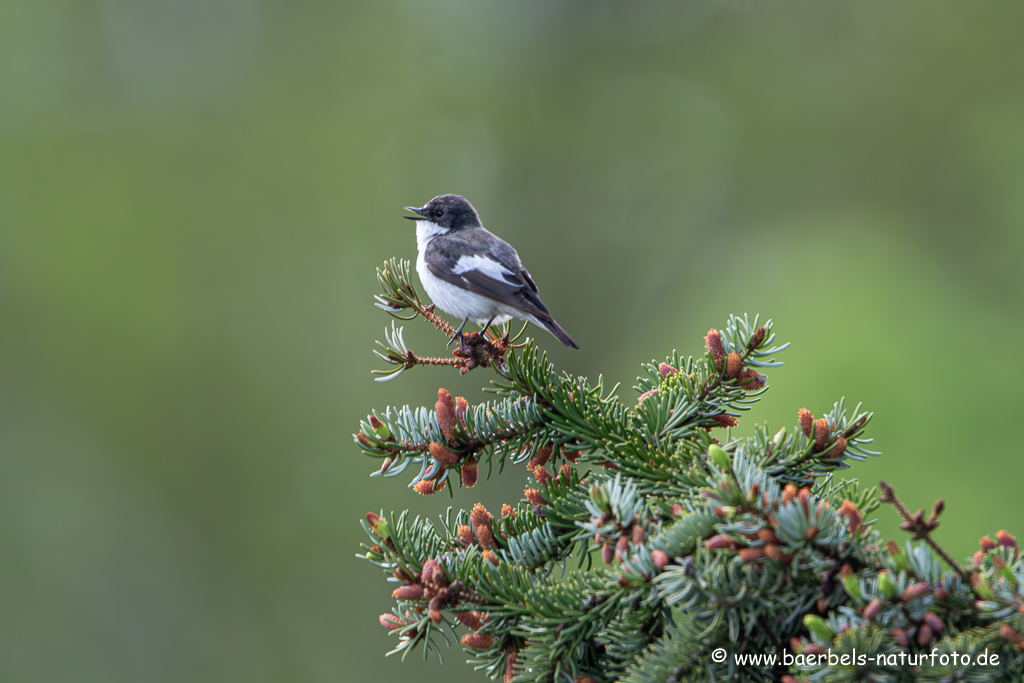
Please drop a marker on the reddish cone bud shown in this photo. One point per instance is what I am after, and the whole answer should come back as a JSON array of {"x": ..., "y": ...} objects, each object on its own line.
[
  {"x": 479, "y": 515},
  {"x": 372, "y": 518},
  {"x": 677, "y": 510},
  {"x": 872, "y": 610},
  {"x": 622, "y": 548},
  {"x": 660, "y": 559},
  {"x": 839, "y": 448},
  {"x": 607, "y": 553},
  {"x": 788, "y": 493},
  {"x": 752, "y": 554},
  {"x": 934, "y": 622},
  {"x": 491, "y": 557},
  {"x": 391, "y": 622},
  {"x": 774, "y": 551},
  {"x": 644, "y": 395},
  {"x": 665, "y": 370},
  {"x": 852, "y": 515},
  {"x": 751, "y": 380},
  {"x": 821, "y": 434},
  {"x": 414, "y": 592},
  {"x": 445, "y": 409},
  {"x": 986, "y": 544},
  {"x": 471, "y": 620},
  {"x": 461, "y": 406},
  {"x": 767, "y": 535},
  {"x": 465, "y": 534},
  {"x": 433, "y": 574},
  {"x": 977, "y": 559},
  {"x": 721, "y": 542},
  {"x": 442, "y": 454},
  {"x": 507, "y": 511},
  {"x": 540, "y": 458},
  {"x": 806, "y": 419},
  {"x": 484, "y": 535},
  {"x": 511, "y": 665},
  {"x": 426, "y": 487},
  {"x": 1006, "y": 540},
  {"x": 533, "y": 495},
  {"x": 901, "y": 637},
  {"x": 364, "y": 440},
  {"x": 469, "y": 473},
  {"x": 733, "y": 365},
  {"x": 542, "y": 476},
  {"x": 476, "y": 641},
  {"x": 892, "y": 548},
  {"x": 915, "y": 591},
  {"x": 638, "y": 534},
  {"x": 375, "y": 422},
  {"x": 725, "y": 421},
  {"x": 756, "y": 340},
  {"x": 1010, "y": 635},
  {"x": 713, "y": 342}
]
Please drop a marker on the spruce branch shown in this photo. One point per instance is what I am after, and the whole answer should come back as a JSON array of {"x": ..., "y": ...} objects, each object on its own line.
[
  {"x": 650, "y": 536},
  {"x": 400, "y": 299}
]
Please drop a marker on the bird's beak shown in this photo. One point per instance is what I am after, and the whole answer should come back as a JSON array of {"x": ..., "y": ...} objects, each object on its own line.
[{"x": 420, "y": 217}]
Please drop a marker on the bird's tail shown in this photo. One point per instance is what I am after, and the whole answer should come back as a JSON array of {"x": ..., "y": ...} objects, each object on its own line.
[{"x": 549, "y": 324}]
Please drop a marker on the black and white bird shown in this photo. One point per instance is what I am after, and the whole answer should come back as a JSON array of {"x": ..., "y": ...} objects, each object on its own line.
[{"x": 472, "y": 274}]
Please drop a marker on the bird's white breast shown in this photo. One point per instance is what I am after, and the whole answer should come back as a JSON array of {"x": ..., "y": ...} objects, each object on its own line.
[
  {"x": 453, "y": 300},
  {"x": 426, "y": 231}
]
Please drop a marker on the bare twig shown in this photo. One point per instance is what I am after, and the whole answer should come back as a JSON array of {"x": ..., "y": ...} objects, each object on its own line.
[{"x": 920, "y": 527}]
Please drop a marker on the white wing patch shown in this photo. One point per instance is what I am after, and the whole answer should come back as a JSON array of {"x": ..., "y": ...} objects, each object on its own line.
[{"x": 485, "y": 265}]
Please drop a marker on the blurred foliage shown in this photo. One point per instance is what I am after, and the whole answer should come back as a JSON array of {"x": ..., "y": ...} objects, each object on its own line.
[{"x": 194, "y": 195}]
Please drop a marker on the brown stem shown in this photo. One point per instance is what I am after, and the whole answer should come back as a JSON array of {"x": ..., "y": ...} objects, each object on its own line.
[
  {"x": 434, "y": 319},
  {"x": 412, "y": 359},
  {"x": 921, "y": 530}
]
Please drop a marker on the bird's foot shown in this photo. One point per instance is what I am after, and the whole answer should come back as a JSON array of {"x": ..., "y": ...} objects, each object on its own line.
[{"x": 458, "y": 335}]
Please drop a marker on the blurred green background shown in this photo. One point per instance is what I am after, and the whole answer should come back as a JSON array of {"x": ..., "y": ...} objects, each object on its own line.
[{"x": 194, "y": 196}]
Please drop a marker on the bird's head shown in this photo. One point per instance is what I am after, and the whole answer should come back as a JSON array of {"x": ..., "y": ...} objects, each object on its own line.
[{"x": 448, "y": 211}]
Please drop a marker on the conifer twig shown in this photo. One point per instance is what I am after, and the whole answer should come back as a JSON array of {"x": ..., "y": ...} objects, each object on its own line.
[{"x": 919, "y": 526}]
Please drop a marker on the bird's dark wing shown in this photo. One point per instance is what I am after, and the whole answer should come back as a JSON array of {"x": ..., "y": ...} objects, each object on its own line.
[{"x": 488, "y": 266}]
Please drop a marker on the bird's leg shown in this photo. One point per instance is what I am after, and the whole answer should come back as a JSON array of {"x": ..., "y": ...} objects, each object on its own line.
[
  {"x": 483, "y": 332},
  {"x": 458, "y": 334}
]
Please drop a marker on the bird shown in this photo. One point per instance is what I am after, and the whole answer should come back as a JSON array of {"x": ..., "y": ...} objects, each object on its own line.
[{"x": 471, "y": 273}]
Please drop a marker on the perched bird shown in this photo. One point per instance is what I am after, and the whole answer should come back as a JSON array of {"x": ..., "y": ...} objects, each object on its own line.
[{"x": 470, "y": 273}]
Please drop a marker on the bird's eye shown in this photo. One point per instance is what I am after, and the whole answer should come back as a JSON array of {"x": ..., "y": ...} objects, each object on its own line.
[{"x": 439, "y": 213}]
